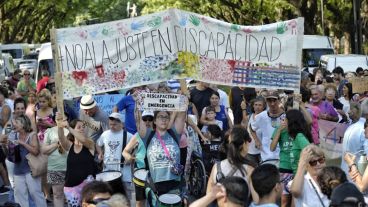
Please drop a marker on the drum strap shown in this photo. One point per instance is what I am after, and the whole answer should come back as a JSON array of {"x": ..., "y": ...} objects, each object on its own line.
[{"x": 125, "y": 135}]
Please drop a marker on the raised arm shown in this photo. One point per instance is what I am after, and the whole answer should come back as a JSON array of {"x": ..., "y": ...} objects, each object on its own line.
[
  {"x": 298, "y": 181},
  {"x": 179, "y": 122},
  {"x": 275, "y": 138},
  {"x": 87, "y": 142},
  {"x": 65, "y": 143}
]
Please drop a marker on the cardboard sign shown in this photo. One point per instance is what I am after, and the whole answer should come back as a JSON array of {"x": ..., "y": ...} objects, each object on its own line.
[
  {"x": 162, "y": 102},
  {"x": 331, "y": 135},
  {"x": 176, "y": 44},
  {"x": 360, "y": 85}
]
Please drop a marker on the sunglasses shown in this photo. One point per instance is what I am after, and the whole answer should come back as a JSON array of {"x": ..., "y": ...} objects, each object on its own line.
[
  {"x": 26, "y": 74},
  {"x": 147, "y": 118},
  {"x": 96, "y": 201},
  {"x": 321, "y": 160}
]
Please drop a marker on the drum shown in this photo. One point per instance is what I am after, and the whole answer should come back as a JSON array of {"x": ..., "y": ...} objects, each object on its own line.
[
  {"x": 114, "y": 179},
  {"x": 169, "y": 200},
  {"x": 139, "y": 177}
]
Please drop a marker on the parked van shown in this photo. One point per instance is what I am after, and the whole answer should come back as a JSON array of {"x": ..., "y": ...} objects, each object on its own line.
[
  {"x": 45, "y": 61},
  {"x": 17, "y": 51},
  {"x": 8, "y": 64},
  {"x": 314, "y": 46},
  {"x": 348, "y": 62}
]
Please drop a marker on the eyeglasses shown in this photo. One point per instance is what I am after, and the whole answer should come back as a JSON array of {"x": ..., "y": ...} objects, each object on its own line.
[
  {"x": 26, "y": 74},
  {"x": 147, "y": 118},
  {"x": 163, "y": 118},
  {"x": 321, "y": 160},
  {"x": 97, "y": 200}
]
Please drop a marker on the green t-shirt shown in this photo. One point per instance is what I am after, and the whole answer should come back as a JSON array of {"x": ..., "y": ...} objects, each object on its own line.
[
  {"x": 299, "y": 143},
  {"x": 56, "y": 161},
  {"x": 285, "y": 144},
  {"x": 22, "y": 87}
]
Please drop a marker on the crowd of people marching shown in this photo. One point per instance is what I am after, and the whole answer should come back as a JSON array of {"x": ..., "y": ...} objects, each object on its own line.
[{"x": 259, "y": 147}]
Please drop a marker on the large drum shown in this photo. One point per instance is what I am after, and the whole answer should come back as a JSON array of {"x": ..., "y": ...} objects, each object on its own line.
[
  {"x": 139, "y": 177},
  {"x": 169, "y": 200},
  {"x": 114, "y": 179}
]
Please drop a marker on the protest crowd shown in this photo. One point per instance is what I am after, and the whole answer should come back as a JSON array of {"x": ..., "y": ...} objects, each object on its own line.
[{"x": 243, "y": 147}]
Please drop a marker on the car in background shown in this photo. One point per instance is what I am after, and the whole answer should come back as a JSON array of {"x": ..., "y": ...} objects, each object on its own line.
[
  {"x": 31, "y": 55},
  {"x": 17, "y": 51},
  {"x": 6, "y": 60},
  {"x": 45, "y": 61},
  {"x": 28, "y": 64},
  {"x": 348, "y": 62},
  {"x": 314, "y": 46}
]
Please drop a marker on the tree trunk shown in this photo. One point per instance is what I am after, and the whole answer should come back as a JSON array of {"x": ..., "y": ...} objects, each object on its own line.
[
  {"x": 347, "y": 43},
  {"x": 337, "y": 45}
]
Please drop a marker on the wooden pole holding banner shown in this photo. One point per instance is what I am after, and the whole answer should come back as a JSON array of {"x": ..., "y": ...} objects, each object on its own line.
[
  {"x": 183, "y": 86},
  {"x": 58, "y": 74}
]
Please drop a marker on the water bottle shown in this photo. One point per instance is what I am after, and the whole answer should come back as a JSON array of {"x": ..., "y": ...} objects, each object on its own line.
[{"x": 362, "y": 163}]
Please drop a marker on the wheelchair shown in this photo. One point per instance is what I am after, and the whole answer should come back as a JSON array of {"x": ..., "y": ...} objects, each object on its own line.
[{"x": 197, "y": 183}]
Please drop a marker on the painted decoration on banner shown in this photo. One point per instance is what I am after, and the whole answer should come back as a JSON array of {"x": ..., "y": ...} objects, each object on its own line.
[
  {"x": 331, "y": 135},
  {"x": 162, "y": 102},
  {"x": 177, "y": 44},
  {"x": 360, "y": 84},
  {"x": 105, "y": 102}
]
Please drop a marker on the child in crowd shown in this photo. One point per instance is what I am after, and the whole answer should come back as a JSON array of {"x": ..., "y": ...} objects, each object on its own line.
[
  {"x": 211, "y": 147},
  {"x": 210, "y": 119}
]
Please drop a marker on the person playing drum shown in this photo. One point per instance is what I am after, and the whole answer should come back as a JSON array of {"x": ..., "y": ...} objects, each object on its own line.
[
  {"x": 163, "y": 152},
  {"x": 140, "y": 173}
]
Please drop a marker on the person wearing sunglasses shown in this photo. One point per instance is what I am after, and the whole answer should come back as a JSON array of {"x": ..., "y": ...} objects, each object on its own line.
[
  {"x": 304, "y": 187},
  {"x": 136, "y": 144},
  {"x": 26, "y": 85}
]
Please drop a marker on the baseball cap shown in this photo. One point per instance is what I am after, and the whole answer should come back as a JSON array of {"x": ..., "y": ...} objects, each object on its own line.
[
  {"x": 87, "y": 102},
  {"x": 116, "y": 116},
  {"x": 273, "y": 94},
  {"x": 346, "y": 193},
  {"x": 147, "y": 113}
]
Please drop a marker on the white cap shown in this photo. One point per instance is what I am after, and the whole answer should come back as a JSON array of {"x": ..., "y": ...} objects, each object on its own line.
[
  {"x": 87, "y": 102},
  {"x": 147, "y": 113},
  {"x": 117, "y": 116}
]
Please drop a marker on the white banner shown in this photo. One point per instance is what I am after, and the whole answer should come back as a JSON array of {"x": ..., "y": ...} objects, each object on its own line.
[{"x": 162, "y": 102}]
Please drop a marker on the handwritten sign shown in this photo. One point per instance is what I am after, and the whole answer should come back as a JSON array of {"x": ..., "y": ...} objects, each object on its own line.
[
  {"x": 331, "y": 135},
  {"x": 360, "y": 85},
  {"x": 162, "y": 102},
  {"x": 105, "y": 102},
  {"x": 176, "y": 44}
]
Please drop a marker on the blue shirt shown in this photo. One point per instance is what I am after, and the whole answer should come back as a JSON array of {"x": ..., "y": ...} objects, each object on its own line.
[
  {"x": 221, "y": 116},
  {"x": 128, "y": 103}
]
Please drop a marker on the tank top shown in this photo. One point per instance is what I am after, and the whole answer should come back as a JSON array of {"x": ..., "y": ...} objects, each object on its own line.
[
  {"x": 22, "y": 167},
  {"x": 79, "y": 166},
  {"x": 221, "y": 116}
]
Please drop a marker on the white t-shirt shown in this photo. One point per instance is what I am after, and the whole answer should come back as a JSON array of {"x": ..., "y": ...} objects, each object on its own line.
[
  {"x": 252, "y": 145},
  {"x": 224, "y": 98},
  {"x": 113, "y": 147},
  {"x": 308, "y": 197},
  {"x": 267, "y": 125}
]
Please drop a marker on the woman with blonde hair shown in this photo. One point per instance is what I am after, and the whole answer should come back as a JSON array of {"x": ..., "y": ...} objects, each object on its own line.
[
  {"x": 44, "y": 120},
  {"x": 25, "y": 184},
  {"x": 304, "y": 187}
]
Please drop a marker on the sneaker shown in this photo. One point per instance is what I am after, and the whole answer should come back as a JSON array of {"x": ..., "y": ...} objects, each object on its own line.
[{"x": 4, "y": 190}]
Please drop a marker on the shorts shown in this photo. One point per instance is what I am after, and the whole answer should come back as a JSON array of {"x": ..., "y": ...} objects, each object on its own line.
[
  {"x": 55, "y": 177},
  {"x": 285, "y": 179}
]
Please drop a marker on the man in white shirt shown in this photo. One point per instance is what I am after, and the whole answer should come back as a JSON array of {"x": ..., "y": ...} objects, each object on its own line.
[
  {"x": 110, "y": 147},
  {"x": 266, "y": 122}
]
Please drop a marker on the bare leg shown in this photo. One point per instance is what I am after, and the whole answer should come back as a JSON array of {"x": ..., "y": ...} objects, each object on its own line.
[{"x": 58, "y": 191}]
